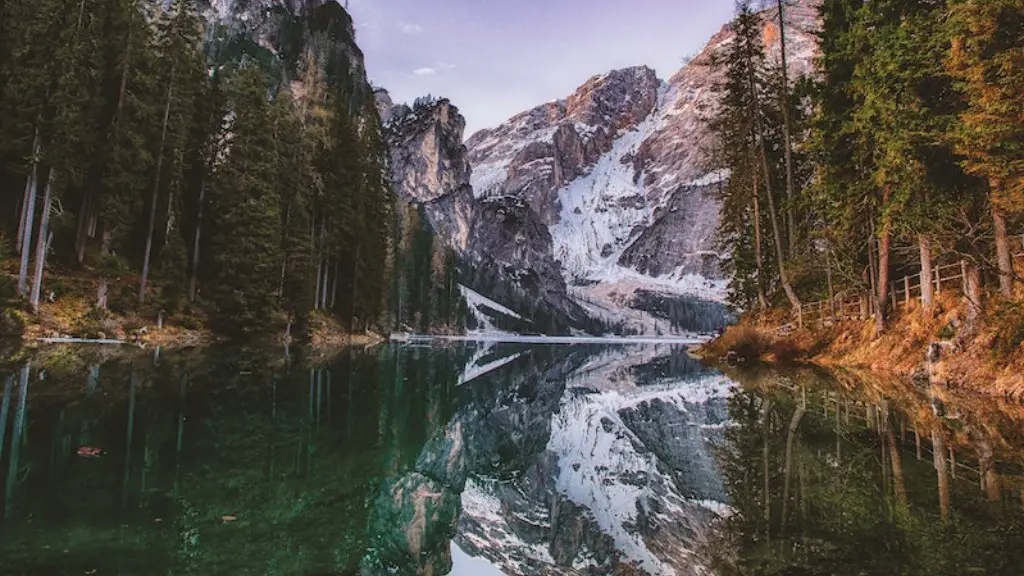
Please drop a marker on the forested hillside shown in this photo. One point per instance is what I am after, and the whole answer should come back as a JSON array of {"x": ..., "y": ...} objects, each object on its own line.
[
  {"x": 222, "y": 169},
  {"x": 904, "y": 150}
]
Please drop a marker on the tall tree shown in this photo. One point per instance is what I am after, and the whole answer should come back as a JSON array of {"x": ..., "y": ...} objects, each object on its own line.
[
  {"x": 987, "y": 59},
  {"x": 248, "y": 244},
  {"x": 787, "y": 128}
]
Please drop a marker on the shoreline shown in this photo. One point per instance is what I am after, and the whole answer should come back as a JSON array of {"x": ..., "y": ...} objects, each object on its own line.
[{"x": 941, "y": 347}]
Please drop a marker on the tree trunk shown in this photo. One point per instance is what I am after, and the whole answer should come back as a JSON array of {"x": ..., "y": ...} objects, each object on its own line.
[
  {"x": 883, "y": 265},
  {"x": 193, "y": 278},
  {"x": 156, "y": 190},
  {"x": 82, "y": 228},
  {"x": 26, "y": 242},
  {"x": 783, "y": 276},
  {"x": 926, "y": 273},
  {"x": 762, "y": 300},
  {"x": 19, "y": 240},
  {"x": 42, "y": 244},
  {"x": 942, "y": 472},
  {"x": 794, "y": 301},
  {"x": 786, "y": 133},
  {"x": 972, "y": 283},
  {"x": 1003, "y": 256}
]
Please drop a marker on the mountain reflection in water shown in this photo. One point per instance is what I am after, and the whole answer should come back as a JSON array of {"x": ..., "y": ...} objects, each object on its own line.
[{"x": 506, "y": 458}]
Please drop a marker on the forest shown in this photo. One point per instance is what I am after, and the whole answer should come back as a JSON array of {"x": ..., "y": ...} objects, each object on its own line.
[
  {"x": 154, "y": 163},
  {"x": 904, "y": 150}
]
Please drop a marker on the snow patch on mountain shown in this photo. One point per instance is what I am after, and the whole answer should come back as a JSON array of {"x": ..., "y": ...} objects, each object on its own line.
[{"x": 601, "y": 209}]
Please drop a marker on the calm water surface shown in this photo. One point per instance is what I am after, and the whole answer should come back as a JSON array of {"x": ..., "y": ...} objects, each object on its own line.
[{"x": 480, "y": 459}]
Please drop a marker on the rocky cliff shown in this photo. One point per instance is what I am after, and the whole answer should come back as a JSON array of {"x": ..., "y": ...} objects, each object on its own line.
[
  {"x": 579, "y": 205},
  {"x": 620, "y": 174},
  {"x": 503, "y": 243}
]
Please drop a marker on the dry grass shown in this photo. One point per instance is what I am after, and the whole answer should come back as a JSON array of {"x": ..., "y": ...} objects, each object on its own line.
[
  {"x": 754, "y": 339},
  {"x": 986, "y": 357}
]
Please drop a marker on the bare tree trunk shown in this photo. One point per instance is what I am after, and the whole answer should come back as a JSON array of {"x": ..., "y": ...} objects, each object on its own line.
[
  {"x": 82, "y": 228},
  {"x": 193, "y": 278},
  {"x": 19, "y": 240},
  {"x": 972, "y": 284},
  {"x": 355, "y": 291},
  {"x": 762, "y": 300},
  {"x": 325, "y": 287},
  {"x": 26, "y": 241},
  {"x": 156, "y": 191},
  {"x": 942, "y": 471},
  {"x": 786, "y": 130},
  {"x": 883, "y": 265},
  {"x": 319, "y": 275},
  {"x": 927, "y": 289},
  {"x": 42, "y": 244},
  {"x": 783, "y": 276},
  {"x": 1003, "y": 256},
  {"x": 794, "y": 301}
]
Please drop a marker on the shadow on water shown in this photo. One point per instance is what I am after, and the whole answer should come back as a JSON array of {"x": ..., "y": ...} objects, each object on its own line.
[{"x": 585, "y": 459}]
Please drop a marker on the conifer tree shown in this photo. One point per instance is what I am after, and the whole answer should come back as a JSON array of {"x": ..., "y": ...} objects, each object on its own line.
[
  {"x": 247, "y": 252},
  {"x": 987, "y": 59}
]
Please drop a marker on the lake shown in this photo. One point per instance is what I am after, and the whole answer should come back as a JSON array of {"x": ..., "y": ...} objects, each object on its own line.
[{"x": 476, "y": 458}]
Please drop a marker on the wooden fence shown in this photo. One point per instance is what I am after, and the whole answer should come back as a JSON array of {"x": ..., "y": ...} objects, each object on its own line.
[{"x": 944, "y": 278}]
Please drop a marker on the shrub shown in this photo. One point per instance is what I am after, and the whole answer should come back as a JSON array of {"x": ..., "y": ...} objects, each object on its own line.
[{"x": 744, "y": 341}]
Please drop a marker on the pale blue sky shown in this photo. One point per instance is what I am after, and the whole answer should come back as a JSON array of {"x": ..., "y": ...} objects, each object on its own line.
[{"x": 495, "y": 58}]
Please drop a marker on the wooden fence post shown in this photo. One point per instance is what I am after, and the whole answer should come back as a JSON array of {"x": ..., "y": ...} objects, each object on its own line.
[
  {"x": 892, "y": 291},
  {"x": 938, "y": 280},
  {"x": 906, "y": 288}
]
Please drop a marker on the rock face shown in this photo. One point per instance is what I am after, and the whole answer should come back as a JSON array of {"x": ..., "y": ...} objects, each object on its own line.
[
  {"x": 504, "y": 245},
  {"x": 620, "y": 173},
  {"x": 572, "y": 208}
]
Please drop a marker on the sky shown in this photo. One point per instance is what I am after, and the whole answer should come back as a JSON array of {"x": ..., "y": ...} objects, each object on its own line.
[{"x": 496, "y": 58}]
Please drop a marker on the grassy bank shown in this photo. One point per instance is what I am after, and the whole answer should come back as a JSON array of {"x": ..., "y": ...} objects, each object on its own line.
[{"x": 984, "y": 355}]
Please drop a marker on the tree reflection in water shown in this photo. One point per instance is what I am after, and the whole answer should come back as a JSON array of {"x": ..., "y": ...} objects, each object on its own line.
[{"x": 866, "y": 498}]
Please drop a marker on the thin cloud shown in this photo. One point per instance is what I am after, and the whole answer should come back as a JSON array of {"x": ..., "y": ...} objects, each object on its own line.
[
  {"x": 411, "y": 29},
  {"x": 424, "y": 72}
]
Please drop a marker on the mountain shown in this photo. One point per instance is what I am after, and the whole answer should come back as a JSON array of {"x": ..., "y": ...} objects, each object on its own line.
[
  {"x": 620, "y": 171},
  {"x": 504, "y": 245},
  {"x": 611, "y": 188}
]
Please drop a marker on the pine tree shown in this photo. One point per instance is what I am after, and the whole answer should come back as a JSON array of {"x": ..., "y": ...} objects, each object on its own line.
[
  {"x": 987, "y": 59},
  {"x": 247, "y": 252}
]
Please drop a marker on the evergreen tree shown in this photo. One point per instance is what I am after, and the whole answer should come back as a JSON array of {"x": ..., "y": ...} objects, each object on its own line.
[
  {"x": 247, "y": 253},
  {"x": 987, "y": 59}
]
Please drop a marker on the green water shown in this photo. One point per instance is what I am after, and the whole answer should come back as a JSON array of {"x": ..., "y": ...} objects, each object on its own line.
[{"x": 531, "y": 459}]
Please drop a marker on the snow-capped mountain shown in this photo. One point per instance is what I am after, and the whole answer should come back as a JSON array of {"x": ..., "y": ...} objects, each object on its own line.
[
  {"x": 620, "y": 170},
  {"x": 611, "y": 189}
]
